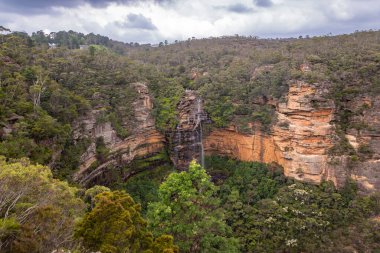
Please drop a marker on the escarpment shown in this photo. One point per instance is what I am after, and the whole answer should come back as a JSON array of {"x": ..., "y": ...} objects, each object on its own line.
[
  {"x": 363, "y": 134},
  {"x": 298, "y": 141},
  {"x": 310, "y": 105},
  {"x": 144, "y": 140},
  {"x": 302, "y": 138}
]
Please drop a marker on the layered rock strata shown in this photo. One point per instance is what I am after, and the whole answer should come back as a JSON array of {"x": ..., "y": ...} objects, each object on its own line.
[
  {"x": 302, "y": 137},
  {"x": 364, "y": 137},
  {"x": 144, "y": 140},
  {"x": 298, "y": 141}
]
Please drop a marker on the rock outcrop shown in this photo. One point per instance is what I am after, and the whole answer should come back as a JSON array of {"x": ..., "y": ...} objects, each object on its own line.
[
  {"x": 143, "y": 141},
  {"x": 302, "y": 137},
  {"x": 298, "y": 141},
  {"x": 364, "y": 137},
  {"x": 304, "y": 132}
]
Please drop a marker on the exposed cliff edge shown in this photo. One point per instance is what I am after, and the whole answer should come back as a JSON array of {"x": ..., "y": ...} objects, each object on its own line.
[
  {"x": 143, "y": 141},
  {"x": 300, "y": 141}
]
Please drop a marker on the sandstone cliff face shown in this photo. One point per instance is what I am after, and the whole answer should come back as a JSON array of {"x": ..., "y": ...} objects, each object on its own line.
[
  {"x": 299, "y": 140},
  {"x": 365, "y": 139},
  {"x": 144, "y": 140},
  {"x": 304, "y": 132},
  {"x": 302, "y": 137}
]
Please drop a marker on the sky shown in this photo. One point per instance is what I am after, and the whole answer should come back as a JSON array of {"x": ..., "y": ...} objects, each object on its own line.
[{"x": 153, "y": 21}]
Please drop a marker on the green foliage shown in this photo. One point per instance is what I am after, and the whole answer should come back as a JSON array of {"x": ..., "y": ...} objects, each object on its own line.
[
  {"x": 189, "y": 210},
  {"x": 90, "y": 194},
  {"x": 144, "y": 186},
  {"x": 269, "y": 213},
  {"x": 166, "y": 113},
  {"x": 42, "y": 126},
  {"x": 265, "y": 115},
  {"x": 342, "y": 147},
  {"x": 69, "y": 160},
  {"x": 221, "y": 111},
  {"x": 117, "y": 125},
  {"x": 101, "y": 149},
  {"x": 73, "y": 40},
  {"x": 45, "y": 94},
  {"x": 17, "y": 147},
  {"x": 365, "y": 150},
  {"x": 253, "y": 181},
  {"x": 64, "y": 105},
  {"x": 37, "y": 212},
  {"x": 115, "y": 225},
  {"x": 302, "y": 218},
  {"x": 168, "y": 94}
]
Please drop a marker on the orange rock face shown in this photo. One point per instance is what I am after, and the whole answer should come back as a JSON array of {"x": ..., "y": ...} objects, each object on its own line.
[
  {"x": 135, "y": 146},
  {"x": 299, "y": 141},
  {"x": 256, "y": 147},
  {"x": 303, "y": 135}
]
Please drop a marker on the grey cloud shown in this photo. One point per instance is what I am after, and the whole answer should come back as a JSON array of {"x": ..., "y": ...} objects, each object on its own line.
[
  {"x": 263, "y": 3},
  {"x": 137, "y": 21},
  {"x": 104, "y": 3},
  {"x": 29, "y": 7},
  {"x": 168, "y": 2},
  {"x": 127, "y": 34},
  {"x": 38, "y": 3},
  {"x": 300, "y": 17},
  {"x": 239, "y": 8},
  {"x": 101, "y": 3},
  {"x": 41, "y": 6}
]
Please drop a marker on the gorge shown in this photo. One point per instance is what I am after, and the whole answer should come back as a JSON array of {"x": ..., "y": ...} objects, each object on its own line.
[
  {"x": 229, "y": 144},
  {"x": 299, "y": 141}
]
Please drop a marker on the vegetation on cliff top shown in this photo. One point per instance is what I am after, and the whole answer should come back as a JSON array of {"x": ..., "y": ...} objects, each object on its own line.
[{"x": 45, "y": 94}]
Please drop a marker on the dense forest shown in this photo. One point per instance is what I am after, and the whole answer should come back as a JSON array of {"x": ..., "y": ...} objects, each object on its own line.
[{"x": 228, "y": 206}]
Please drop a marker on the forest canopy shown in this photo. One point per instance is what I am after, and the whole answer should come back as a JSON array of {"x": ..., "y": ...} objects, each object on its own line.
[{"x": 52, "y": 86}]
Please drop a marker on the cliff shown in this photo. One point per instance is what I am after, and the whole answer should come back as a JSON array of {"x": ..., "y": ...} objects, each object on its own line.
[
  {"x": 144, "y": 140},
  {"x": 301, "y": 139},
  {"x": 364, "y": 137}
]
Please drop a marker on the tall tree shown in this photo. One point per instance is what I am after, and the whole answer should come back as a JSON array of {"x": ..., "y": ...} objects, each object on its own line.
[
  {"x": 115, "y": 225},
  {"x": 189, "y": 210},
  {"x": 37, "y": 212}
]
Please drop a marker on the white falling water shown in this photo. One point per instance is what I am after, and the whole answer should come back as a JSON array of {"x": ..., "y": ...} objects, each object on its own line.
[
  {"x": 179, "y": 138},
  {"x": 199, "y": 122}
]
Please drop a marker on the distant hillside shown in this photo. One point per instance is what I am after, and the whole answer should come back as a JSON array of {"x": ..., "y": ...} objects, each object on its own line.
[{"x": 288, "y": 131}]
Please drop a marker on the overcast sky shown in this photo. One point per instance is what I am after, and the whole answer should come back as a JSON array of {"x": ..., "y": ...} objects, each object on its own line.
[{"x": 152, "y": 21}]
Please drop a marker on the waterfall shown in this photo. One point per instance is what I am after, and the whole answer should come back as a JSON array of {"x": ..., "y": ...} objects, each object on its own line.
[
  {"x": 186, "y": 141},
  {"x": 199, "y": 122},
  {"x": 202, "y": 148},
  {"x": 178, "y": 137}
]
